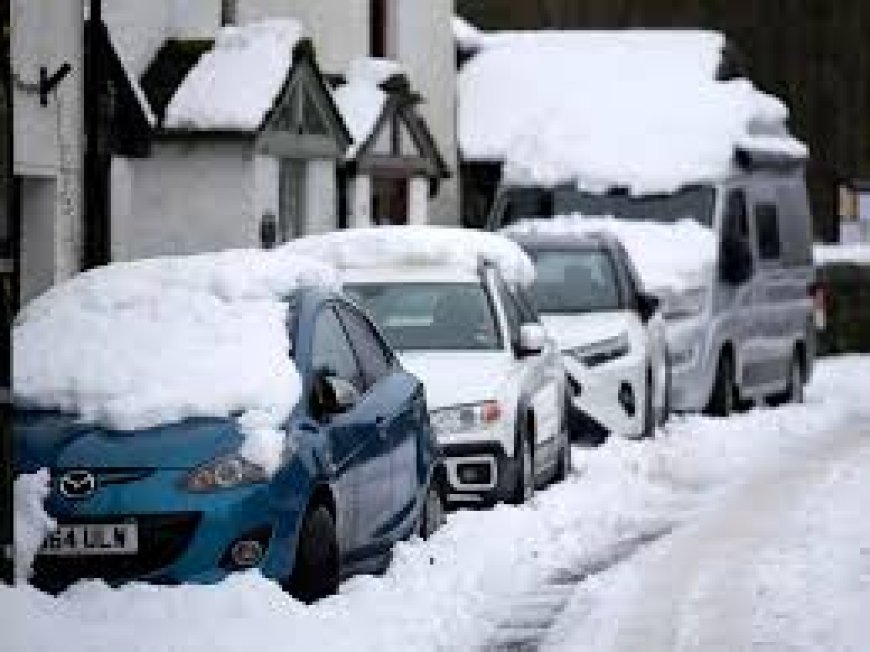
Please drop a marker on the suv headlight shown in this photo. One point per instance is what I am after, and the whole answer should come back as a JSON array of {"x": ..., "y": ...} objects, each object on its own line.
[
  {"x": 225, "y": 472},
  {"x": 685, "y": 303},
  {"x": 602, "y": 351},
  {"x": 465, "y": 418}
]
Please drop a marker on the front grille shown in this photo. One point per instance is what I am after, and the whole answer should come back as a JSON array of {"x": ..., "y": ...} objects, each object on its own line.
[{"x": 162, "y": 539}]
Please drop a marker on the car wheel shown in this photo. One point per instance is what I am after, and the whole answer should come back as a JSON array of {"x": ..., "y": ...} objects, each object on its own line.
[
  {"x": 316, "y": 571},
  {"x": 525, "y": 486},
  {"x": 563, "y": 465},
  {"x": 722, "y": 400},
  {"x": 432, "y": 516}
]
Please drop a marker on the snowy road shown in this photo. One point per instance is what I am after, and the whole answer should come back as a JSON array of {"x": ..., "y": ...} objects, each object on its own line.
[{"x": 737, "y": 534}]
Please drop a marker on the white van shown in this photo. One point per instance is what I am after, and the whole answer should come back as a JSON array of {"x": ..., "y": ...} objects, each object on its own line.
[{"x": 744, "y": 330}]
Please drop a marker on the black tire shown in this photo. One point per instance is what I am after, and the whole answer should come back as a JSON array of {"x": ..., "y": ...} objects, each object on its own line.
[
  {"x": 316, "y": 571},
  {"x": 524, "y": 489},
  {"x": 432, "y": 513},
  {"x": 723, "y": 400},
  {"x": 563, "y": 464}
]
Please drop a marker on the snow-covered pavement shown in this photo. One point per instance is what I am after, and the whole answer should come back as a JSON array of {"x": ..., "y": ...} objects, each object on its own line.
[{"x": 770, "y": 549}]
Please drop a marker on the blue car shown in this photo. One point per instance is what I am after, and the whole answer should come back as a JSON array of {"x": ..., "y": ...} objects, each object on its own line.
[{"x": 176, "y": 503}]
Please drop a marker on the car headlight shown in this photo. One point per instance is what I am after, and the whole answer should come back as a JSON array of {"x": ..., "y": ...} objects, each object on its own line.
[
  {"x": 465, "y": 418},
  {"x": 602, "y": 351},
  {"x": 685, "y": 303},
  {"x": 224, "y": 473}
]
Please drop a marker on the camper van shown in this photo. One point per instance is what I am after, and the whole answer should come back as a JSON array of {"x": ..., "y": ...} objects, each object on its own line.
[{"x": 742, "y": 331}]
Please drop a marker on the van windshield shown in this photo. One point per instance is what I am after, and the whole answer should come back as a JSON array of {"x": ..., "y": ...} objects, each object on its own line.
[{"x": 693, "y": 203}]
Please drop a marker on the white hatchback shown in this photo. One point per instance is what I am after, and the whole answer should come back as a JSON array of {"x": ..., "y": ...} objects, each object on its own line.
[
  {"x": 494, "y": 380},
  {"x": 610, "y": 332}
]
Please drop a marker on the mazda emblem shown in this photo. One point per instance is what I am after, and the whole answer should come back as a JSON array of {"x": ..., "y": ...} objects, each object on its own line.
[{"x": 77, "y": 484}]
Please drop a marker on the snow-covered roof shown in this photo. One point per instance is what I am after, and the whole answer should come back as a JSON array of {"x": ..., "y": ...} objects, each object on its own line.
[
  {"x": 236, "y": 83},
  {"x": 361, "y": 100},
  {"x": 414, "y": 246},
  {"x": 667, "y": 256},
  {"x": 636, "y": 109},
  {"x": 140, "y": 344}
]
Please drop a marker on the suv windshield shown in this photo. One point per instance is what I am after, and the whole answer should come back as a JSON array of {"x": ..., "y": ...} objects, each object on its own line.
[
  {"x": 694, "y": 203},
  {"x": 578, "y": 280},
  {"x": 430, "y": 315}
]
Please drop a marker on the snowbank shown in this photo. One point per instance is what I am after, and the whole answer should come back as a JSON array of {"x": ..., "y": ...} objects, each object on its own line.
[
  {"x": 858, "y": 253},
  {"x": 667, "y": 256},
  {"x": 452, "y": 592},
  {"x": 361, "y": 100},
  {"x": 30, "y": 524},
  {"x": 135, "y": 345},
  {"x": 636, "y": 109},
  {"x": 235, "y": 84},
  {"x": 399, "y": 246}
]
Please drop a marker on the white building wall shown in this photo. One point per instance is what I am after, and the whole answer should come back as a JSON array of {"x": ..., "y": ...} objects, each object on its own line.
[
  {"x": 321, "y": 198},
  {"x": 265, "y": 197},
  {"x": 339, "y": 28},
  {"x": 418, "y": 200},
  {"x": 360, "y": 201},
  {"x": 188, "y": 197},
  {"x": 48, "y": 143}
]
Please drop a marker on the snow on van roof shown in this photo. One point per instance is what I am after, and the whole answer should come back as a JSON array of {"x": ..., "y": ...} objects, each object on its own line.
[
  {"x": 236, "y": 83},
  {"x": 413, "y": 246},
  {"x": 140, "y": 344},
  {"x": 639, "y": 109},
  {"x": 670, "y": 257},
  {"x": 360, "y": 99}
]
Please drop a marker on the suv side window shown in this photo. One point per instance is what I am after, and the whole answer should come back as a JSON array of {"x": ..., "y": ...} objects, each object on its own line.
[
  {"x": 331, "y": 351},
  {"x": 376, "y": 361},
  {"x": 767, "y": 231}
]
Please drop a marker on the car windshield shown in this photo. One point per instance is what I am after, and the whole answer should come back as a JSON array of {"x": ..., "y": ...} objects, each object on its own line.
[
  {"x": 693, "y": 203},
  {"x": 431, "y": 315},
  {"x": 570, "y": 281}
]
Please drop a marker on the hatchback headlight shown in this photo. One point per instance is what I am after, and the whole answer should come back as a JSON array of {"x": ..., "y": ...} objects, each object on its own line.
[
  {"x": 685, "y": 303},
  {"x": 465, "y": 418},
  {"x": 602, "y": 351},
  {"x": 224, "y": 473}
]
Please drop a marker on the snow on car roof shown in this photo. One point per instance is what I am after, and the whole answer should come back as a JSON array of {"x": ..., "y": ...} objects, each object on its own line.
[
  {"x": 361, "y": 100},
  {"x": 636, "y": 109},
  {"x": 418, "y": 246},
  {"x": 140, "y": 344},
  {"x": 667, "y": 256},
  {"x": 235, "y": 84}
]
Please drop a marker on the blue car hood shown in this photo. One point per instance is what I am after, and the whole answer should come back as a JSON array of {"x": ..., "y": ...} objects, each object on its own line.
[{"x": 54, "y": 440}]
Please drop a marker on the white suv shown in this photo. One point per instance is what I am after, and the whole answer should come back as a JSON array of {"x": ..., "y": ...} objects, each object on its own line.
[{"x": 493, "y": 377}]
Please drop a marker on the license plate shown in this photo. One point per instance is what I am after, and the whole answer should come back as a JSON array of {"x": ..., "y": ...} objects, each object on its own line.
[{"x": 92, "y": 539}]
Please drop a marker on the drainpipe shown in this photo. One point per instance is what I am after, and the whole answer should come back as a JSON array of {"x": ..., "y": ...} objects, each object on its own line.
[{"x": 229, "y": 12}]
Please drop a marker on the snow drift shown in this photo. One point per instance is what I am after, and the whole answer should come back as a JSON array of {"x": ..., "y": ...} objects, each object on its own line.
[{"x": 30, "y": 522}]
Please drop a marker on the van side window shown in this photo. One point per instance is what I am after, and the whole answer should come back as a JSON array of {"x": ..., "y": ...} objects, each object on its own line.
[{"x": 767, "y": 231}]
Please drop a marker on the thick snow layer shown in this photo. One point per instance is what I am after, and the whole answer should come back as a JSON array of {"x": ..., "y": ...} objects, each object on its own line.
[
  {"x": 30, "y": 523},
  {"x": 636, "y": 109},
  {"x": 360, "y": 99},
  {"x": 134, "y": 345},
  {"x": 403, "y": 246},
  {"x": 461, "y": 589},
  {"x": 235, "y": 84},
  {"x": 667, "y": 256},
  {"x": 858, "y": 253}
]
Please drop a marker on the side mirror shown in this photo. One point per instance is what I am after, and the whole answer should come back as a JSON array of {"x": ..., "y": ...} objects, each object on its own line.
[
  {"x": 332, "y": 395},
  {"x": 647, "y": 304},
  {"x": 533, "y": 339},
  {"x": 735, "y": 262}
]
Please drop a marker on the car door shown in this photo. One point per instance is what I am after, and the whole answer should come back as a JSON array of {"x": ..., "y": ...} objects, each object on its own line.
[
  {"x": 400, "y": 403},
  {"x": 359, "y": 447}
]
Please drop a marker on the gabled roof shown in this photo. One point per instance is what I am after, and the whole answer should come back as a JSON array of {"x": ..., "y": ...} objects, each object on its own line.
[
  {"x": 379, "y": 107},
  {"x": 168, "y": 68}
]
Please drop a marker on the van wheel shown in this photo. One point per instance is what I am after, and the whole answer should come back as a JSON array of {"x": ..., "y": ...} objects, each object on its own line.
[
  {"x": 794, "y": 392},
  {"x": 432, "y": 514},
  {"x": 315, "y": 573},
  {"x": 524, "y": 489},
  {"x": 722, "y": 401}
]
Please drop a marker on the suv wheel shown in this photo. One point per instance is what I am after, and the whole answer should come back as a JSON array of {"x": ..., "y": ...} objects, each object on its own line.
[
  {"x": 722, "y": 401},
  {"x": 315, "y": 573},
  {"x": 525, "y": 486},
  {"x": 432, "y": 514}
]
